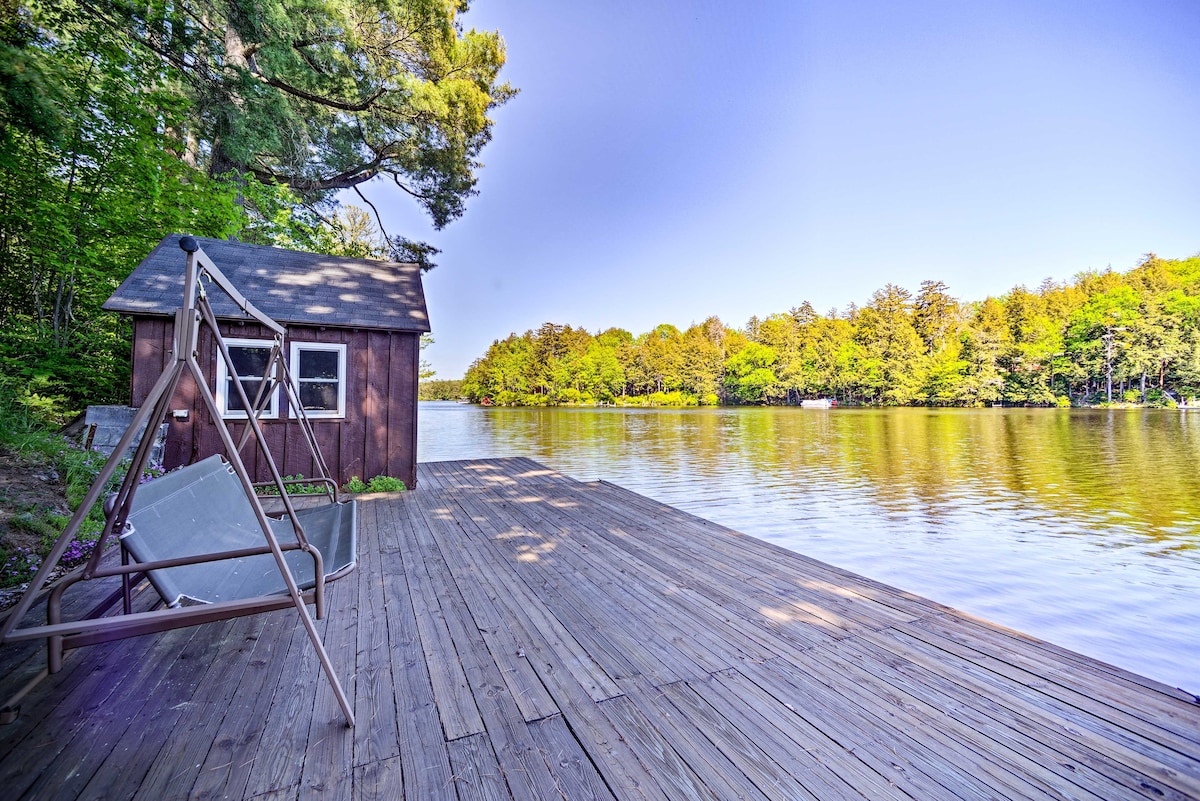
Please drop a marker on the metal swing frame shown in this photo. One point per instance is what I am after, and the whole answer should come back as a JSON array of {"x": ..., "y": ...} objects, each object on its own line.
[{"x": 194, "y": 314}]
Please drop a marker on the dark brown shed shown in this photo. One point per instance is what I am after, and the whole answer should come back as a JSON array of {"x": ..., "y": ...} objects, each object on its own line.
[{"x": 353, "y": 346}]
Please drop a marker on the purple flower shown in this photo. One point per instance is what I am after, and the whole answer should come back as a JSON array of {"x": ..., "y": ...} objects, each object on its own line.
[
  {"x": 77, "y": 552},
  {"x": 20, "y": 566}
]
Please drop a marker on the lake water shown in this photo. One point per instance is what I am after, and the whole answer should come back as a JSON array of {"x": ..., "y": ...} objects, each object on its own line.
[{"x": 1081, "y": 527}]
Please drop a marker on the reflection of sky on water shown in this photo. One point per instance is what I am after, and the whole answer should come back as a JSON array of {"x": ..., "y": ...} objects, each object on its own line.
[{"x": 1080, "y": 527}]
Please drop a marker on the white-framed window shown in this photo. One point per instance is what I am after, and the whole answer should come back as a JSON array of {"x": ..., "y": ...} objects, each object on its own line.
[
  {"x": 250, "y": 357},
  {"x": 319, "y": 372}
]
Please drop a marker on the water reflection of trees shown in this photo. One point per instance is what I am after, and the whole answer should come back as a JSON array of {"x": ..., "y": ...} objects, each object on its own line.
[{"x": 1101, "y": 468}]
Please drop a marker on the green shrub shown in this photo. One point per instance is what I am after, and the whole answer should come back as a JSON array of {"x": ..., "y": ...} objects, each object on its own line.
[
  {"x": 440, "y": 390},
  {"x": 355, "y": 485},
  {"x": 377, "y": 484},
  {"x": 385, "y": 484},
  {"x": 1156, "y": 398},
  {"x": 293, "y": 489},
  {"x": 17, "y": 566},
  {"x": 672, "y": 398},
  {"x": 506, "y": 398}
]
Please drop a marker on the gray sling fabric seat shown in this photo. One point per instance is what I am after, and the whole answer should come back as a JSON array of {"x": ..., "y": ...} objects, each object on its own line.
[{"x": 203, "y": 509}]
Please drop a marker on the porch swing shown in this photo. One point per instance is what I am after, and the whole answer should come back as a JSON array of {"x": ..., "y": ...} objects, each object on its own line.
[{"x": 201, "y": 534}]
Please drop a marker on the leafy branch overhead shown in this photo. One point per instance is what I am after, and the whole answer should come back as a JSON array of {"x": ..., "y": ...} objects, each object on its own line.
[
  {"x": 326, "y": 94},
  {"x": 123, "y": 121}
]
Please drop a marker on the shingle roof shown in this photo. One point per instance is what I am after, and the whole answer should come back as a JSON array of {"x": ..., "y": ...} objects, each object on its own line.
[{"x": 290, "y": 286}]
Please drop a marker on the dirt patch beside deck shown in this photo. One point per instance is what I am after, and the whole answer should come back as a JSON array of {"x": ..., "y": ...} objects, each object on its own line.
[{"x": 30, "y": 489}]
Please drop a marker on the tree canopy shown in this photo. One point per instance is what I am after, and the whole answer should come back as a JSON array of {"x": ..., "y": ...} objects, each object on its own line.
[
  {"x": 323, "y": 95},
  {"x": 1105, "y": 337},
  {"x": 121, "y": 122}
]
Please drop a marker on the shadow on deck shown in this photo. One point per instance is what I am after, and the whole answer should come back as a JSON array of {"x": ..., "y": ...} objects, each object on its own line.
[{"x": 511, "y": 633}]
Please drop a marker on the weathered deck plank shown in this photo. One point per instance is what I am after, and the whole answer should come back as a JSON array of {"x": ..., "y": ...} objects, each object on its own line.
[
  {"x": 376, "y": 733},
  {"x": 511, "y": 633},
  {"x": 187, "y": 739},
  {"x": 276, "y": 764},
  {"x": 529, "y": 619},
  {"x": 477, "y": 773},
  {"x": 230, "y": 762},
  {"x": 500, "y": 632},
  {"x": 574, "y": 772},
  {"x": 329, "y": 756},
  {"x": 498, "y": 712},
  {"x": 425, "y": 761}
]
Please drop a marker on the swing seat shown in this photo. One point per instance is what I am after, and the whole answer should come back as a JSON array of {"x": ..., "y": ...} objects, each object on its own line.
[{"x": 203, "y": 509}]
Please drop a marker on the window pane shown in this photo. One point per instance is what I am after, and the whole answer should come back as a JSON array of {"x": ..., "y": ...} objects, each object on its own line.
[
  {"x": 319, "y": 371},
  {"x": 249, "y": 360},
  {"x": 319, "y": 396},
  {"x": 319, "y": 364},
  {"x": 234, "y": 403}
]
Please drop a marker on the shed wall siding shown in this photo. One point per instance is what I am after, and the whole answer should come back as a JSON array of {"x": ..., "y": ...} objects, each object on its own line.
[{"x": 377, "y": 436}]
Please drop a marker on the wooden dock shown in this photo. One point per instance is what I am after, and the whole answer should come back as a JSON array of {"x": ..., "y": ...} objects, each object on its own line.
[{"x": 511, "y": 633}]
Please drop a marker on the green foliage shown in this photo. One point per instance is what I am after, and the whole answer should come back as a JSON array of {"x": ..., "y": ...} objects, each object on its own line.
[
  {"x": 298, "y": 488},
  {"x": 385, "y": 484},
  {"x": 327, "y": 94},
  {"x": 17, "y": 566},
  {"x": 440, "y": 390},
  {"x": 425, "y": 370},
  {"x": 39, "y": 448},
  {"x": 355, "y": 485},
  {"x": 120, "y": 123},
  {"x": 29, "y": 80},
  {"x": 81, "y": 204},
  {"x": 40, "y": 525},
  {"x": 1156, "y": 398},
  {"x": 410, "y": 251},
  {"x": 1058, "y": 345},
  {"x": 749, "y": 374},
  {"x": 674, "y": 398},
  {"x": 377, "y": 484}
]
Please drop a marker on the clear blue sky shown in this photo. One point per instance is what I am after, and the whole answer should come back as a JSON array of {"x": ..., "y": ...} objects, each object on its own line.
[{"x": 669, "y": 161}]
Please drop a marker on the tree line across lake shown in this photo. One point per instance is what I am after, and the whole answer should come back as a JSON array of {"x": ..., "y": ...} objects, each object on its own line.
[{"x": 1104, "y": 337}]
